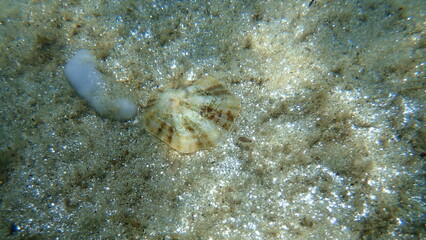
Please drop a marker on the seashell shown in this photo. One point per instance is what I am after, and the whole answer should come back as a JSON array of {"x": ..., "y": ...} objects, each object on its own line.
[{"x": 193, "y": 115}]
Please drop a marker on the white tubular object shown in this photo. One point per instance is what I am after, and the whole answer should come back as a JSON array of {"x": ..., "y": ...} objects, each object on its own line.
[{"x": 90, "y": 85}]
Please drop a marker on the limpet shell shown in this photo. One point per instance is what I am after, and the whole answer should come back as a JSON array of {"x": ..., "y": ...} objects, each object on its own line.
[{"x": 193, "y": 115}]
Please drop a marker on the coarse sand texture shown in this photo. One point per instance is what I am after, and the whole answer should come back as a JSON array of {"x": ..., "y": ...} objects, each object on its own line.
[{"x": 219, "y": 119}]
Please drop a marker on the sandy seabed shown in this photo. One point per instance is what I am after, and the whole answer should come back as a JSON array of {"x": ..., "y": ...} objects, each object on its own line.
[{"x": 330, "y": 142}]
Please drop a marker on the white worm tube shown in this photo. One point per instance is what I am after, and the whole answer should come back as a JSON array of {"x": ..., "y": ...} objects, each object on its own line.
[{"x": 90, "y": 85}]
